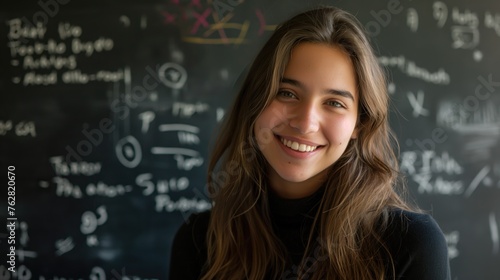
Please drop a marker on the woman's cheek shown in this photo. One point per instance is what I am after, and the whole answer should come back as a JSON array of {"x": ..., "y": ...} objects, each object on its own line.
[
  {"x": 342, "y": 131},
  {"x": 265, "y": 136}
]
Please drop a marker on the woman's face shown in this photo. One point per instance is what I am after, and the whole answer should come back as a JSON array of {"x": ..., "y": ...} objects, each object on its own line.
[{"x": 308, "y": 125}]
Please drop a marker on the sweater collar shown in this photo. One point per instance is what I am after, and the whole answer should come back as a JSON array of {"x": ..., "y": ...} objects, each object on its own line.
[{"x": 295, "y": 208}]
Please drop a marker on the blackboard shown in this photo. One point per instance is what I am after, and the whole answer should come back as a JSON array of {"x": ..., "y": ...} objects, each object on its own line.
[{"x": 108, "y": 111}]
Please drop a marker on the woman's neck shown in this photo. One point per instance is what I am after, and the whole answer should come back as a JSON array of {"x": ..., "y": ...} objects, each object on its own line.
[{"x": 295, "y": 190}]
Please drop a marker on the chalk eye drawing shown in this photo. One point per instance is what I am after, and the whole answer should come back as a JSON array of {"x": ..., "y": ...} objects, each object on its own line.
[
  {"x": 172, "y": 75},
  {"x": 128, "y": 151}
]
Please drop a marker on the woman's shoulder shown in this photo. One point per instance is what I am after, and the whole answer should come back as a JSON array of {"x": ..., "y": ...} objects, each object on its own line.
[
  {"x": 194, "y": 229},
  {"x": 413, "y": 226},
  {"x": 417, "y": 245},
  {"x": 197, "y": 220},
  {"x": 189, "y": 247}
]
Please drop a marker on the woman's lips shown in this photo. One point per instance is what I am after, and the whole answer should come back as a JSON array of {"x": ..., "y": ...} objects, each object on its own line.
[{"x": 296, "y": 146}]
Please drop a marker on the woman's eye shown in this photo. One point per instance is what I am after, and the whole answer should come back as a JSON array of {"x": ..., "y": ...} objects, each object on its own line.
[
  {"x": 336, "y": 104},
  {"x": 286, "y": 93}
]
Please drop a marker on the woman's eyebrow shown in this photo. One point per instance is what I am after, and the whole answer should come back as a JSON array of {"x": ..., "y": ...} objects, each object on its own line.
[{"x": 339, "y": 92}]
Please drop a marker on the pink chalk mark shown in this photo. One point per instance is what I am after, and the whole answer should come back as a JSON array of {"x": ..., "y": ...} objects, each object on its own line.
[
  {"x": 168, "y": 18},
  {"x": 200, "y": 20},
  {"x": 262, "y": 21},
  {"x": 196, "y": 3},
  {"x": 222, "y": 34}
]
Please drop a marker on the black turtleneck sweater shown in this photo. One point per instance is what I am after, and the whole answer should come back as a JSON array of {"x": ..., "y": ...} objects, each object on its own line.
[{"x": 415, "y": 241}]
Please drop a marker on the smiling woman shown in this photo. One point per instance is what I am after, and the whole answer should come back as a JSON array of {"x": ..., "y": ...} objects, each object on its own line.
[
  {"x": 311, "y": 175},
  {"x": 313, "y": 118}
]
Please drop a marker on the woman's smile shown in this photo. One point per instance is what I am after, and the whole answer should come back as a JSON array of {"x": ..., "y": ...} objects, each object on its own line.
[{"x": 298, "y": 145}]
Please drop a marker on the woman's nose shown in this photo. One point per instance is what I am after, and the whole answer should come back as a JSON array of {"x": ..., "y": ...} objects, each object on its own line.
[{"x": 304, "y": 118}]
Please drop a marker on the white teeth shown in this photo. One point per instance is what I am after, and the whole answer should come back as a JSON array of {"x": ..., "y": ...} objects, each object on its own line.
[
  {"x": 302, "y": 148},
  {"x": 298, "y": 147}
]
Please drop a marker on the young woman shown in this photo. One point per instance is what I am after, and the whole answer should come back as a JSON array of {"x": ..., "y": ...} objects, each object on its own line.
[{"x": 303, "y": 173}]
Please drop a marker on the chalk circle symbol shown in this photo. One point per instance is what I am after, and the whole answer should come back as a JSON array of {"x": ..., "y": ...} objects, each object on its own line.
[
  {"x": 172, "y": 75},
  {"x": 128, "y": 151}
]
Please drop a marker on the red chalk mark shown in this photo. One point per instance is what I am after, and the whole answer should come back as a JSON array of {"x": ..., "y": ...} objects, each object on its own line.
[
  {"x": 168, "y": 18},
  {"x": 200, "y": 20},
  {"x": 196, "y": 3},
  {"x": 262, "y": 21}
]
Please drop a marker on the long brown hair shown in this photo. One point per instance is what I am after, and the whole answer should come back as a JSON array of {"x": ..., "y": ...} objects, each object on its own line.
[{"x": 359, "y": 190}]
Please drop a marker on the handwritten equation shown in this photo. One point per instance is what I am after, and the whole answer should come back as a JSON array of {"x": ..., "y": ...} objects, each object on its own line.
[
  {"x": 465, "y": 24},
  {"x": 22, "y": 128},
  {"x": 44, "y": 61},
  {"x": 90, "y": 220},
  {"x": 442, "y": 174}
]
